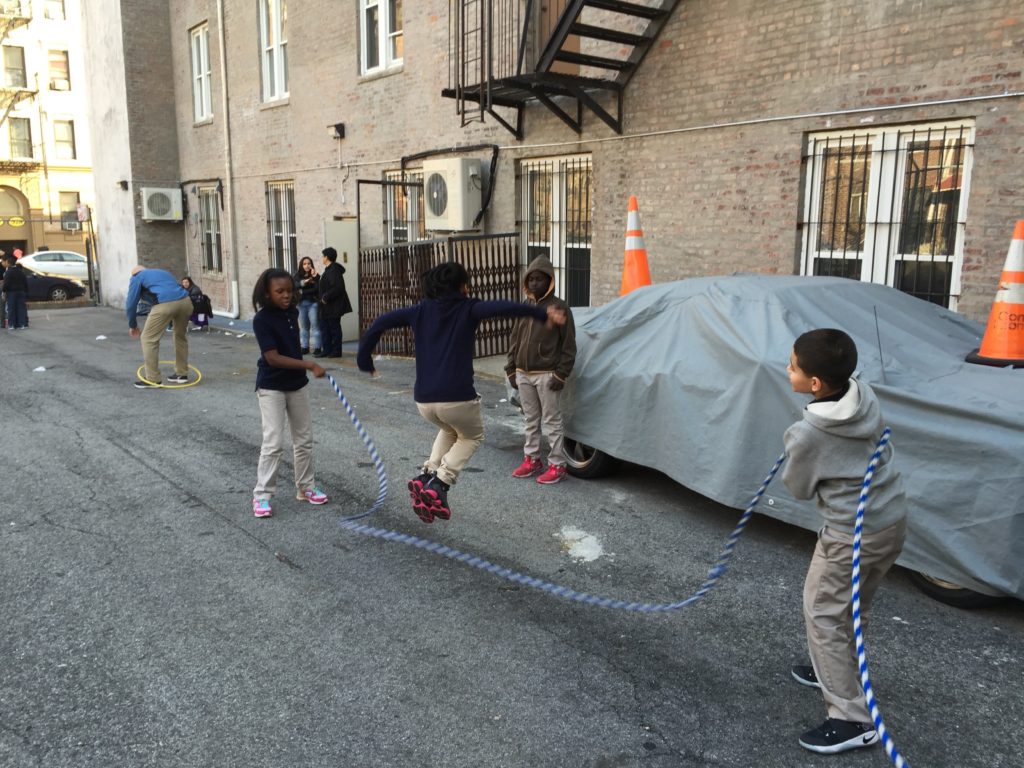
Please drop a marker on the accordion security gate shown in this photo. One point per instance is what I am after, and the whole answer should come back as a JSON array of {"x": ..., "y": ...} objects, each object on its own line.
[{"x": 389, "y": 278}]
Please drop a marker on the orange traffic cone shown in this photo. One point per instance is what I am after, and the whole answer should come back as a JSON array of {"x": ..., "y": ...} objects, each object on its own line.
[
  {"x": 635, "y": 272},
  {"x": 1003, "y": 342}
]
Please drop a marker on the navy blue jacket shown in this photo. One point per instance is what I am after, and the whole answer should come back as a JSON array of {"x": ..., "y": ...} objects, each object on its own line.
[
  {"x": 444, "y": 330},
  {"x": 278, "y": 329}
]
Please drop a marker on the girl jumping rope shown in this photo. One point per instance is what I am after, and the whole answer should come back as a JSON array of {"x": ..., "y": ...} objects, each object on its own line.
[{"x": 281, "y": 390}]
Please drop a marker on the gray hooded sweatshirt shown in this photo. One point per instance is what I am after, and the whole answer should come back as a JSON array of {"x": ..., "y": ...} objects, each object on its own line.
[{"x": 829, "y": 453}]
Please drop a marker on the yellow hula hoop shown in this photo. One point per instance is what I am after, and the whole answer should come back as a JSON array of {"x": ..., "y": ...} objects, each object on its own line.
[{"x": 199, "y": 377}]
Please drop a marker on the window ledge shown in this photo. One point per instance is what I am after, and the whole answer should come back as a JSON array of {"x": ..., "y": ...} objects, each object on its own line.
[
  {"x": 204, "y": 121},
  {"x": 274, "y": 103},
  {"x": 377, "y": 74}
]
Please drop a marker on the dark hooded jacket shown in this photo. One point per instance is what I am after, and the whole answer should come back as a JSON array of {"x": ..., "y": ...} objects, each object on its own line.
[
  {"x": 535, "y": 348},
  {"x": 333, "y": 296}
]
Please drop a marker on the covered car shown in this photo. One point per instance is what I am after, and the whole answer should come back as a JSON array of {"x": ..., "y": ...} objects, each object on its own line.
[{"x": 690, "y": 378}]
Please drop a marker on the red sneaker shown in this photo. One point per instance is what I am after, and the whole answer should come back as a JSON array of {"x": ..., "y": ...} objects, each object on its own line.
[
  {"x": 528, "y": 468},
  {"x": 555, "y": 473}
]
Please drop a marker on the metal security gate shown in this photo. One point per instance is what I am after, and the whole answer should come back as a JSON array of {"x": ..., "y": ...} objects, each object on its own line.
[{"x": 389, "y": 278}]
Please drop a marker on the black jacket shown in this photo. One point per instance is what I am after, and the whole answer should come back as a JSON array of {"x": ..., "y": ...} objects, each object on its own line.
[
  {"x": 15, "y": 280},
  {"x": 311, "y": 290},
  {"x": 334, "y": 301}
]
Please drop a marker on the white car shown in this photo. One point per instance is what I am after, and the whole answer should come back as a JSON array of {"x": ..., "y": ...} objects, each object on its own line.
[{"x": 61, "y": 263}]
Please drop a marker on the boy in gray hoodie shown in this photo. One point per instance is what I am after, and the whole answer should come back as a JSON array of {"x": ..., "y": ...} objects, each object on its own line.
[{"x": 829, "y": 451}]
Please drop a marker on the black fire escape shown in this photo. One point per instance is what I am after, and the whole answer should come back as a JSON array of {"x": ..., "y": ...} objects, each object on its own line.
[{"x": 565, "y": 54}]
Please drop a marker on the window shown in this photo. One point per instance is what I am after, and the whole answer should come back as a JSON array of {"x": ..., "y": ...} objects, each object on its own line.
[
  {"x": 380, "y": 29},
  {"x": 209, "y": 222},
  {"x": 556, "y": 200},
  {"x": 64, "y": 139},
  {"x": 60, "y": 72},
  {"x": 885, "y": 206},
  {"x": 54, "y": 9},
  {"x": 274, "y": 48},
  {"x": 69, "y": 210},
  {"x": 403, "y": 208},
  {"x": 281, "y": 224},
  {"x": 14, "y": 67},
  {"x": 20, "y": 129},
  {"x": 202, "y": 104}
]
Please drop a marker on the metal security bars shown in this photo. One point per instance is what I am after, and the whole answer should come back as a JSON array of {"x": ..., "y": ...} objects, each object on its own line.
[
  {"x": 389, "y": 278},
  {"x": 404, "y": 221},
  {"x": 281, "y": 225},
  {"x": 209, "y": 223},
  {"x": 889, "y": 206},
  {"x": 556, "y": 195}
]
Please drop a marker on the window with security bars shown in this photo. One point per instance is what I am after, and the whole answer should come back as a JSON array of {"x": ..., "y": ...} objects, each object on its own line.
[
  {"x": 403, "y": 207},
  {"x": 889, "y": 206},
  {"x": 556, "y": 195},
  {"x": 281, "y": 224},
  {"x": 209, "y": 227}
]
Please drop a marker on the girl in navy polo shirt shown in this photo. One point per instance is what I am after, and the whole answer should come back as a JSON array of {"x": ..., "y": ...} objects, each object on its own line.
[{"x": 281, "y": 390}]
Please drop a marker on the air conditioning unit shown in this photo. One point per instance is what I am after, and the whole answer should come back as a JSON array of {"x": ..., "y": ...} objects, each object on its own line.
[
  {"x": 71, "y": 226},
  {"x": 451, "y": 193},
  {"x": 161, "y": 204}
]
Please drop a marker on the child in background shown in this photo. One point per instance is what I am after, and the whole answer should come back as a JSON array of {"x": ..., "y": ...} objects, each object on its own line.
[
  {"x": 200, "y": 303},
  {"x": 281, "y": 390},
  {"x": 540, "y": 359},
  {"x": 829, "y": 451},
  {"x": 444, "y": 326}
]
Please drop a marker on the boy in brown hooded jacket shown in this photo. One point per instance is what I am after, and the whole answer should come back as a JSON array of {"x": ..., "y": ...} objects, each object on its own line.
[{"x": 540, "y": 360}]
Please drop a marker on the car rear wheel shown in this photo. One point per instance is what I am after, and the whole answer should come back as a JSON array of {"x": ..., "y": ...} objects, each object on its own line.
[
  {"x": 586, "y": 462},
  {"x": 58, "y": 293},
  {"x": 953, "y": 594}
]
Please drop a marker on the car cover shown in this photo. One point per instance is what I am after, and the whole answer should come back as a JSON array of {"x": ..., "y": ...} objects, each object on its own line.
[{"x": 690, "y": 378}]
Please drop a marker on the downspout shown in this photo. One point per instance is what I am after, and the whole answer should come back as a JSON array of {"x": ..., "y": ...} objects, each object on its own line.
[{"x": 235, "y": 310}]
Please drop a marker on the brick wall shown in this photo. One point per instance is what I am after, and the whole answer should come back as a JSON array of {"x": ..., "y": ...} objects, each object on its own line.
[
  {"x": 150, "y": 92},
  {"x": 716, "y": 196}
]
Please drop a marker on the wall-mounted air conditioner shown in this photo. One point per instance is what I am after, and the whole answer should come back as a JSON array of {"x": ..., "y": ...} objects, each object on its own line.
[
  {"x": 161, "y": 204},
  {"x": 451, "y": 193}
]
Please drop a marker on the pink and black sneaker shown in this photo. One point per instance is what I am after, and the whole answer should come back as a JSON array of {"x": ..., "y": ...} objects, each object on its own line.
[
  {"x": 433, "y": 500},
  {"x": 416, "y": 486}
]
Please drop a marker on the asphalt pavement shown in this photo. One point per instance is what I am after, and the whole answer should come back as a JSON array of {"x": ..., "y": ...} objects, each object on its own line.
[{"x": 148, "y": 619}]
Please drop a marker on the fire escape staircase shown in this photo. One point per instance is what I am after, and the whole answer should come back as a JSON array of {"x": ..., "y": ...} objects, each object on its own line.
[{"x": 568, "y": 55}]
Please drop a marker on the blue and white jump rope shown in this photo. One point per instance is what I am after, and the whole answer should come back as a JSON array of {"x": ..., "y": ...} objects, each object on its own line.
[{"x": 714, "y": 574}]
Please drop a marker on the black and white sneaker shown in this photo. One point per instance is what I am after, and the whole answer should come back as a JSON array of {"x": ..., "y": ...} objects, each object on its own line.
[
  {"x": 804, "y": 674},
  {"x": 140, "y": 384},
  {"x": 176, "y": 379},
  {"x": 834, "y": 736}
]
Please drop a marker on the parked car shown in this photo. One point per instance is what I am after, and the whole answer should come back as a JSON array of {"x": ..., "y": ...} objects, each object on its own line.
[
  {"x": 61, "y": 263},
  {"x": 50, "y": 287},
  {"x": 690, "y": 378}
]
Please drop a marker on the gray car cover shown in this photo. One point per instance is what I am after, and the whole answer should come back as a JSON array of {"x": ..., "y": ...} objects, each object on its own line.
[{"x": 690, "y": 378}]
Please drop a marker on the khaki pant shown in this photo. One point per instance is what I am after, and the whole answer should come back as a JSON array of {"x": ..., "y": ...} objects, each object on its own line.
[
  {"x": 541, "y": 409},
  {"x": 175, "y": 313},
  {"x": 276, "y": 407},
  {"x": 828, "y": 615},
  {"x": 461, "y": 432}
]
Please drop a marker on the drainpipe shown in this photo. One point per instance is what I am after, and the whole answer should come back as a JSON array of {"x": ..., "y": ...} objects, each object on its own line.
[{"x": 235, "y": 310}]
